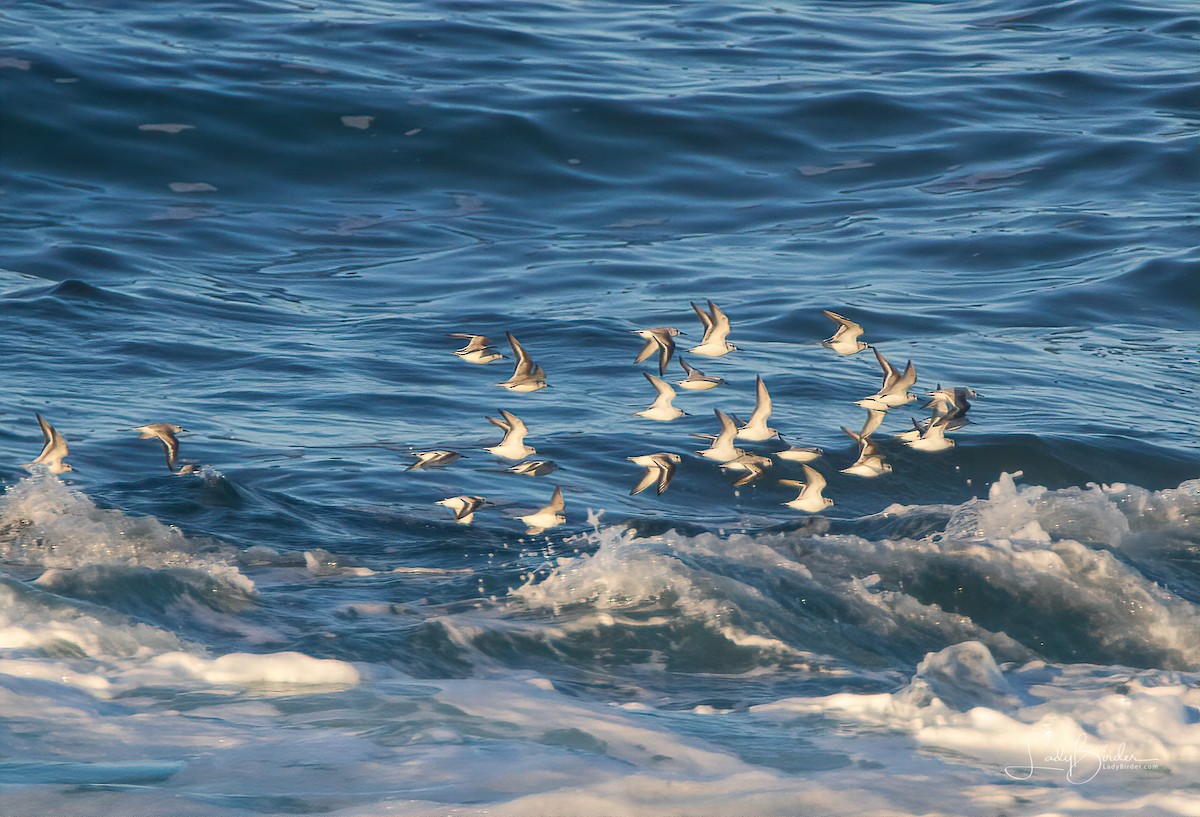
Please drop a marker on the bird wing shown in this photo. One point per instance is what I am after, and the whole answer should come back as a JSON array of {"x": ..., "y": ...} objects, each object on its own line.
[
  {"x": 813, "y": 481},
  {"x": 706, "y": 320},
  {"x": 524, "y": 365},
  {"x": 762, "y": 405}
]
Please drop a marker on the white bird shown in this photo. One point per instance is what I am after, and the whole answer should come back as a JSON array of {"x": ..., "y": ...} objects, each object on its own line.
[
  {"x": 660, "y": 339},
  {"x": 932, "y": 436},
  {"x": 464, "y": 507},
  {"x": 696, "y": 380},
  {"x": 716, "y": 329},
  {"x": 165, "y": 434},
  {"x": 754, "y": 464},
  {"x": 894, "y": 391},
  {"x": 661, "y": 409},
  {"x": 870, "y": 457},
  {"x": 548, "y": 517},
  {"x": 513, "y": 446},
  {"x": 949, "y": 405},
  {"x": 810, "y": 498},
  {"x": 845, "y": 340},
  {"x": 54, "y": 451},
  {"x": 534, "y": 468},
  {"x": 478, "y": 349},
  {"x": 756, "y": 427},
  {"x": 797, "y": 453},
  {"x": 660, "y": 469},
  {"x": 433, "y": 459},
  {"x": 722, "y": 448},
  {"x": 526, "y": 375}
]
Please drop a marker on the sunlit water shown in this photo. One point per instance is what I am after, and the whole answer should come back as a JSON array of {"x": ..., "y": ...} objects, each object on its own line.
[{"x": 261, "y": 220}]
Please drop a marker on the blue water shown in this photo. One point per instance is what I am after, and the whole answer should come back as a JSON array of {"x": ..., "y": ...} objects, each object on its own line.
[{"x": 260, "y": 220}]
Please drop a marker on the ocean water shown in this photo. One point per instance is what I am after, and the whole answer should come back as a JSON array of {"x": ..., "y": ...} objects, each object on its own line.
[{"x": 261, "y": 219}]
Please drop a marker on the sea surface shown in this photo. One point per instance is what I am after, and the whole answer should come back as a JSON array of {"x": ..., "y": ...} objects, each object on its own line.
[{"x": 260, "y": 220}]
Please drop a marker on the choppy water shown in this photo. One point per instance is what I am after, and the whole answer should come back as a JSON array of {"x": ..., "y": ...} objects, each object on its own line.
[{"x": 260, "y": 219}]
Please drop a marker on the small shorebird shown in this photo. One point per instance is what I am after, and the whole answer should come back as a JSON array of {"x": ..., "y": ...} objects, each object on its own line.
[
  {"x": 845, "y": 340},
  {"x": 797, "y": 453},
  {"x": 932, "y": 436},
  {"x": 696, "y": 380},
  {"x": 534, "y": 468},
  {"x": 526, "y": 375},
  {"x": 464, "y": 507},
  {"x": 753, "y": 464},
  {"x": 660, "y": 469},
  {"x": 810, "y": 498},
  {"x": 755, "y": 428},
  {"x": 478, "y": 349},
  {"x": 433, "y": 459},
  {"x": 165, "y": 434},
  {"x": 894, "y": 391},
  {"x": 548, "y": 517},
  {"x": 661, "y": 409},
  {"x": 716, "y": 329},
  {"x": 870, "y": 457},
  {"x": 54, "y": 451},
  {"x": 513, "y": 446},
  {"x": 660, "y": 339},
  {"x": 722, "y": 448}
]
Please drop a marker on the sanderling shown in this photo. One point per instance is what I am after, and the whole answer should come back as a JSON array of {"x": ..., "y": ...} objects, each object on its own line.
[
  {"x": 53, "y": 452},
  {"x": 526, "y": 375},
  {"x": 696, "y": 380},
  {"x": 722, "y": 448},
  {"x": 660, "y": 469},
  {"x": 754, "y": 464},
  {"x": 949, "y": 406},
  {"x": 716, "y": 329},
  {"x": 548, "y": 517},
  {"x": 534, "y": 468},
  {"x": 661, "y": 409},
  {"x": 464, "y": 507},
  {"x": 433, "y": 459},
  {"x": 810, "y": 498},
  {"x": 165, "y": 434},
  {"x": 870, "y": 457},
  {"x": 513, "y": 446},
  {"x": 845, "y": 340},
  {"x": 932, "y": 436},
  {"x": 660, "y": 339},
  {"x": 894, "y": 391},
  {"x": 797, "y": 453},
  {"x": 478, "y": 349},
  {"x": 756, "y": 427}
]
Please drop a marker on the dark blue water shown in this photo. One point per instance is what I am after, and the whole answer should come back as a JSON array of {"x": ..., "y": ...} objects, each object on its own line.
[{"x": 260, "y": 220}]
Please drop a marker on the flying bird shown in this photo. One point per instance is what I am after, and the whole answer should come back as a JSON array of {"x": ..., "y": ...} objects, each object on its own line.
[{"x": 716, "y": 329}]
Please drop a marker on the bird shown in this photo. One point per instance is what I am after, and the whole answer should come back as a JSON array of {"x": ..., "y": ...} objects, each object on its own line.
[
  {"x": 548, "y": 517},
  {"x": 660, "y": 338},
  {"x": 845, "y": 340},
  {"x": 716, "y": 329},
  {"x": 661, "y": 409},
  {"x": 932, "y": 436},
  {"x": 696, "y": 380},
  {"x": 894, "y": 391},
  {"x": 165, "y": 434},
  {"x": 464, "y": 507},
  {"x": 478, "y": 349},
  {"x": 513, "y": 446},
  {"x": 810, "y": 498},
  {"x": 433, "y": 459},
  {"x": 526, "y": 375},
  {"x": 754, "y": 464},
  {"x": 870, "y": 457},
  {"x": 660, "y": 469},
  {"x": 534, "y": 468},
  {"x": 756, "y": 427},
  {"x": 797, "y": 453},
  {"x": 949, "y": 406},
  {"x": 54, "y": 451},
  {"x": 722, "y": 448}
]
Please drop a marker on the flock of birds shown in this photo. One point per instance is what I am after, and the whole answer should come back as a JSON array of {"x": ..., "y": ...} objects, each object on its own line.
[{"x": 948, "y": 407}]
